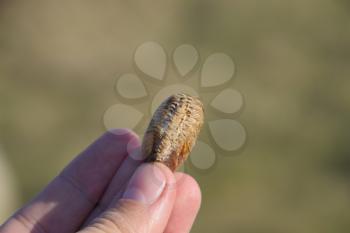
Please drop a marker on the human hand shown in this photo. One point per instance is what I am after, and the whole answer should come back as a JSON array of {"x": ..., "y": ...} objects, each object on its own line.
[{"x": 106, "y": 189}]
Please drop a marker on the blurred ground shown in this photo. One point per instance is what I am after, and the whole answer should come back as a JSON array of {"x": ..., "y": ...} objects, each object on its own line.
[
  {"x": 57, "y": 65},
  {"x": 8, "y": 191}
]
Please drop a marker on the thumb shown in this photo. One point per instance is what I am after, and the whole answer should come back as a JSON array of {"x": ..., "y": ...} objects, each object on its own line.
[{"x": 145, "y": 206}]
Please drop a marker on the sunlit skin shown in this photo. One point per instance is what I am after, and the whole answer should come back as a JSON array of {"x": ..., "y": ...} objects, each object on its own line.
[{"x": 89, "y": 195}]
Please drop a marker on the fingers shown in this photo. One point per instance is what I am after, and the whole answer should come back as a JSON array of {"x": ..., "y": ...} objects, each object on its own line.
[
  {"x": 120, "y": 180},
  {"x": 187, "y": 204},
  {"x": 69, "y": 198},
  {"x": 145, "y": 206}
]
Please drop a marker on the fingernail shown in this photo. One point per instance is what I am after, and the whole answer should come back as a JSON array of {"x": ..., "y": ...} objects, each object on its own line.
[
  {"x": 146, "y": 185},
  {"x": 134, "y": 149},
  {"x": 120, "y": 131}
]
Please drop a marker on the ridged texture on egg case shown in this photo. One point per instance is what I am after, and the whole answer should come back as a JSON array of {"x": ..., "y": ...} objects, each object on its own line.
[{"x": 173, "y": 130}]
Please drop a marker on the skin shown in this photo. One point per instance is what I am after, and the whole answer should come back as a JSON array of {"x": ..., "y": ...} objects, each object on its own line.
[{"x": 89, "y": 195}]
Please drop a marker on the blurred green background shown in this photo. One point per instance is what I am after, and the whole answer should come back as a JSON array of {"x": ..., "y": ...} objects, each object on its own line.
[{"x": 58, "y": 61}]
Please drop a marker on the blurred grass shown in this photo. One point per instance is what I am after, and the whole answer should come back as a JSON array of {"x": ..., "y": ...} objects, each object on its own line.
[{"x": 57, "y": 67}]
